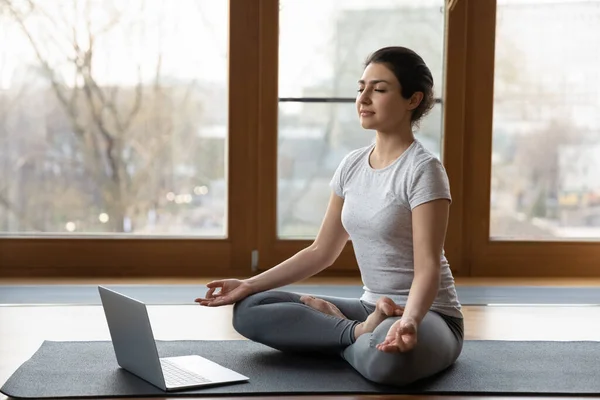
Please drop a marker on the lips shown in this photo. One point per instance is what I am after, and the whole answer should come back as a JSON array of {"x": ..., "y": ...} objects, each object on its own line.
[{"x": 365, "y": 113}]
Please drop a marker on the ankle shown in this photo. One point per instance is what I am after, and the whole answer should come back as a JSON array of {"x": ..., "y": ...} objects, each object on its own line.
[{"x": 358, "y": 330}]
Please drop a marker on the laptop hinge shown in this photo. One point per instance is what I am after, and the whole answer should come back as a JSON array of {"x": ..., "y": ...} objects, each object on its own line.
[{"x": 254, "y": 261}]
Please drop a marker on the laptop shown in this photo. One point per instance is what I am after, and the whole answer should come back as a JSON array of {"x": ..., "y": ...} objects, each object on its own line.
[{"x": 136, "y": 352}]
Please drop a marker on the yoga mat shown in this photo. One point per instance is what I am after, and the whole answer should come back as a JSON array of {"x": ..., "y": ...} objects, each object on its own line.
[
  {"x": 185, "y": 294},
  {"x": 89, "y": 369}
]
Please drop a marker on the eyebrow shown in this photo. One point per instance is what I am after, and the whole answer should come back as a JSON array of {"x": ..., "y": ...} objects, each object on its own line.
[{"x": 374, "y": 81}]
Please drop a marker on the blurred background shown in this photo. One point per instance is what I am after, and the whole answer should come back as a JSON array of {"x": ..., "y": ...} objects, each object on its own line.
[{"x": 113, "y": 116}]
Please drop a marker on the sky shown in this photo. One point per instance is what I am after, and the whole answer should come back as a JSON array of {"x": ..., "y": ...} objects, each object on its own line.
[{"x": 192, "y": 36}]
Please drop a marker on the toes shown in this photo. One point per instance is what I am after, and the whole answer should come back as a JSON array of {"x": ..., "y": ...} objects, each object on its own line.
[
  {"x": 308, "y": 300},
  {"x": 335, "y": 310},
  {"x": 387, "y": 306},
  {"x": 322, "y": 306},
  {"x": 386, "y": 309},
  {"x": 312, "y": 302}
]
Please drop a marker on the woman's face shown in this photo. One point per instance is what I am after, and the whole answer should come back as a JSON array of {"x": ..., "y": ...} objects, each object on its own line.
[{"x": 379, "y": 102}]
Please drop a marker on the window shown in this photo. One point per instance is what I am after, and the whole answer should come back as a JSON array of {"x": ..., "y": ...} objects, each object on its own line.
[
  {"x": 121, "y": 151},
  {"x": 113, "y": 118},
  {"x": 321, "y": 57},
  {"x": 215, "y": 155},
  {"x": 530, "y": 139},
  {"x": 307, "y": 116},
  {"x": 546, "y": 130}
]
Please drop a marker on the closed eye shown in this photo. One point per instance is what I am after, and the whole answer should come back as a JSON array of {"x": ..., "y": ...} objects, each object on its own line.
[{"x": 376, "y": 90}]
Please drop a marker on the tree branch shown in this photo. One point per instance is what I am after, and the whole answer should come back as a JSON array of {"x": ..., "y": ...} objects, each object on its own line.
[
  {"x": 99, "y": 121},
  {"x": 137, "y": 103},
  {"x": 19, "y": 214},
  {"x": 56, "y": 86}
]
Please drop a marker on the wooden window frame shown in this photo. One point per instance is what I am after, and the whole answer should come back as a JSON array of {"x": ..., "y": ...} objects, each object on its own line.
[
  {"x": 466, "y": 152},
  {"x": 48, "y": 256},
  {"x": 502, "y": 258},
  {"x": 273, "y": 250},
  {"x": 252, "y": 177}
]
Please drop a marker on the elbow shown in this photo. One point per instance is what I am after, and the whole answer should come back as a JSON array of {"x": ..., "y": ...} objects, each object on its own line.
[
  {"x": 320, "y": 257},
  {"x": 428, "y": 270}
]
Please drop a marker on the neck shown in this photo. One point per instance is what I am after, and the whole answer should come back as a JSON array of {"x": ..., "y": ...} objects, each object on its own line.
[{"x": 389, "y": 146}]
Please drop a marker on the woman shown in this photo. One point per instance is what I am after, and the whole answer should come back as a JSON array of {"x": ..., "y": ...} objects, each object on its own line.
[{"x": 392, "y": 199}]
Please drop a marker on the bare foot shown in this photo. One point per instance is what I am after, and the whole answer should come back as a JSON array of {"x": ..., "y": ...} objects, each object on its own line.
[
  {"x": 384, "y": 309},
  {"x": 322, "y": 305}
]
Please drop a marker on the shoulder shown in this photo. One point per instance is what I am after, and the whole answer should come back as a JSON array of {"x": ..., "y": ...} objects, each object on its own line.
[
  {"x": 358, "y": 154},
  {"x": 350, "y": 163},
  {"x": 423, "y": 161},
  {"x": 355, "y": 157},
  {"x": 428, "y": 178}
]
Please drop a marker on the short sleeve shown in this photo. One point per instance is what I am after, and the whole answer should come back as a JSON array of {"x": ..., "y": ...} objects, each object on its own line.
[
  {"x": 337, "y": 181},
  {"x": 430, "y": 182}
]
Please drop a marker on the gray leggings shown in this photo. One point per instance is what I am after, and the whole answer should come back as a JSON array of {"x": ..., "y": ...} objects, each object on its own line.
[{"x": 280, "y": 320}]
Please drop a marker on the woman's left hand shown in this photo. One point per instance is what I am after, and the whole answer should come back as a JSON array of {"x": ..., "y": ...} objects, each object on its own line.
[{"x": 401, "y": 337}]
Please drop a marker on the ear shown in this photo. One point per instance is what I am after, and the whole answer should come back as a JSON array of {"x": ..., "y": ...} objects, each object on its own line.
[{"x": 415, "y": 100}]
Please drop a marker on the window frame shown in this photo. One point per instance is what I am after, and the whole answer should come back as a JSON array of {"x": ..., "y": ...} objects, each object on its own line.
[
  {"x": 466, "y": 153},
  {"x": 501, "y": 258},
  {"x": 252, "y": 177},
  {"x": 60, "y": 256},
  {"x": 273, "y": 250}
]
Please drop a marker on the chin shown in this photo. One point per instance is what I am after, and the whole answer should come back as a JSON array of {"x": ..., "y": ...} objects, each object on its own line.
[{"x": 368, "y": 125}]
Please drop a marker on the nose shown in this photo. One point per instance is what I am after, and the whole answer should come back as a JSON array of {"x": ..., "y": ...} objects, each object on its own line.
[{"x": 364, "y": 97}]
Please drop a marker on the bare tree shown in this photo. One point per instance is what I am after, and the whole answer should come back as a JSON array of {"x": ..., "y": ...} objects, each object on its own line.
[
  {"x": 537, "y": 157},
  {"x": 8, "y": 102},
  {"x": 121, "y": 135}
]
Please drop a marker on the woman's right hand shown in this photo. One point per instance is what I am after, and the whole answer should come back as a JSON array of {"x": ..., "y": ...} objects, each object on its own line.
[{"x": 231, "y": 291}]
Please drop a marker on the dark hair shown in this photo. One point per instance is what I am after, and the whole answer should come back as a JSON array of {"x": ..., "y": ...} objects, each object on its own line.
[{"x": 412, "y": 73}]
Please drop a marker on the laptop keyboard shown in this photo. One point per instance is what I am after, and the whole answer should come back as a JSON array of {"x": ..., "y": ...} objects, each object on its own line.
[{"x": 175, "y": 376}]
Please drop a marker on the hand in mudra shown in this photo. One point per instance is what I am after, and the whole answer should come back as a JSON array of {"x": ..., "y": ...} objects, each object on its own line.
[
  {"x": 230, "y": 291},
  {"x": 401, "y": 337}
]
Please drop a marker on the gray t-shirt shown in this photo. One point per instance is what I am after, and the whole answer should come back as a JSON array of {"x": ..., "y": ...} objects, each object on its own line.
[{"x": 377, "y": 214}]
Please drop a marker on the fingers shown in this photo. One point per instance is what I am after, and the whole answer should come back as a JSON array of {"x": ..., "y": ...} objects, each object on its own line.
[
  {"x": 213, "y": 302},
  {"x": 406, "y": 337},
  {"x": 210, "y": 294},
  {"x": 393, "y": 348},
  {"x": 389, "y": 343},
  {"x": 207, "y": 297},
  {"x": 402, "y": 343},
  {"x": 399, "y": 342},
  {"x": 217, "y": 300},
  {"x": 211, "y": 299},
  {"x": 410, "y": 341},
  {"x": 388, "y": 346}
]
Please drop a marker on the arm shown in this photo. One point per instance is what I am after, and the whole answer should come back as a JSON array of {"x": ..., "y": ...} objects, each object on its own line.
[
  {"x": 430, "y": 221},
  {"x": 326, "y": 248},
  {"x": 429, "y": 230}
]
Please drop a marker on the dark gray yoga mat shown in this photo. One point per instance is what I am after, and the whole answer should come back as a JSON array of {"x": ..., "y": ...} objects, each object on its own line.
[
  {"x": 89, "y": 369},
  {"x": 185, "y": 294}
]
